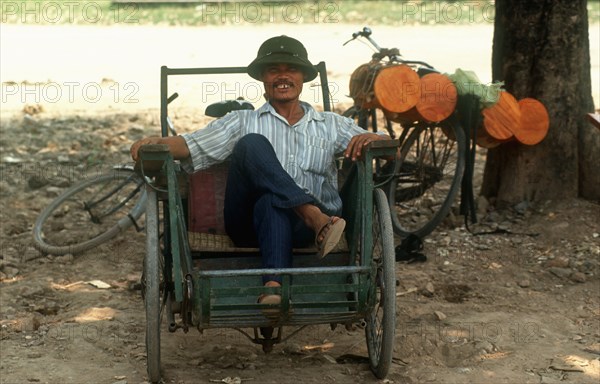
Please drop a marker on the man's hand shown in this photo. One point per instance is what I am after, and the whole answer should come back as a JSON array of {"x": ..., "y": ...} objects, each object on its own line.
[
  {"x": 177, "y": 146},
  {"x": 135, "y": 147},
  {"x": 356, "y": 146}
]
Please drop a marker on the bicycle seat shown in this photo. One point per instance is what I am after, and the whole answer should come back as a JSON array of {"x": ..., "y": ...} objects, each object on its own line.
[
  {"x": 422, "y": 71},
  {"x": 221, "y": 108}
]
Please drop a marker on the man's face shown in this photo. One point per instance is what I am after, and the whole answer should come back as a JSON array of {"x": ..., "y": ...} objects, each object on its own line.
[{"x": 283, "y": 82}]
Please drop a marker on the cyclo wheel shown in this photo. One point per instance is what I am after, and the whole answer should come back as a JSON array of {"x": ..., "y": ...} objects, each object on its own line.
[
  {"x": 90, "y": 212},
  {"x": 380, "y": 322},
  {"x": 151, "y": 287},
  {"x": 428, "y": 177}
]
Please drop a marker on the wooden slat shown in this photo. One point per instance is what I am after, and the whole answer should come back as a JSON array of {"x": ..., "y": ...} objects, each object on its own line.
[{"x": 206, "y": 242}]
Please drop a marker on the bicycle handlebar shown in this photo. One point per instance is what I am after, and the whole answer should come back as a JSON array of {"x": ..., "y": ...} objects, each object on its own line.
[
  {"x": 392, "y": 53},
  {"x": 366, "y": 33}
]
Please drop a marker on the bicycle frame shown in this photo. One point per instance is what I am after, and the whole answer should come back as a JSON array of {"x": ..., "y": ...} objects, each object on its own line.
[{"x": 90, "y": 205}]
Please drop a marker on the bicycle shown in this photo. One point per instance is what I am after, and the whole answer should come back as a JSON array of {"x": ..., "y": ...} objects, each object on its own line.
[
  {"x": 91, "y": 212},
  {"x": 96, "y": 209},
  {"x": 423, "y": 182}
]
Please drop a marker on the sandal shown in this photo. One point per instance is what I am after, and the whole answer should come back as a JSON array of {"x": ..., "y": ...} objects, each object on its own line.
[
  {"x": 331, "y": 238},
  {"x": 270, "y": 299}
]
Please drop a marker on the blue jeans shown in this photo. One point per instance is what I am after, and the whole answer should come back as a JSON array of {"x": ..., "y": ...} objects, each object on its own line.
[{"x": 259, "y": 201}]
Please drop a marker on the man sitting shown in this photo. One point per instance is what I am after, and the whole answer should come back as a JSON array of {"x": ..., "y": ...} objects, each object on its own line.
[{"x": 282, "y": 187}]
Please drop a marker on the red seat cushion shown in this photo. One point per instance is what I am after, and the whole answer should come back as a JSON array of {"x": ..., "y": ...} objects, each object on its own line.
[{"x": 206, "y": 200}]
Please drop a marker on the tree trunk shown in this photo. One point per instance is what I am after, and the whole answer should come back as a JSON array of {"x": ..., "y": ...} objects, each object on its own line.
[{"x": 541, "y": 50}]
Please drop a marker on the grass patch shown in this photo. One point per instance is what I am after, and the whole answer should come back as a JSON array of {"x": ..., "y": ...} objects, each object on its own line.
[
  {"x": 363, "y": 12},
  {"x": 104, "y": 12}
]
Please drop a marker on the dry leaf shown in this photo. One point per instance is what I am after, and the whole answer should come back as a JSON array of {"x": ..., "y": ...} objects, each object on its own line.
[{"x": 99, "y": 284}]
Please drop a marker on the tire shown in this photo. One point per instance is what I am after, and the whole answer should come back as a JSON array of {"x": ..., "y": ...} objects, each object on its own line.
[
  {"x": 430, "y": 170},
  {"x": 380, "y": 322},
  {"x": 66, "y": 226},
  {"x": 151, "y": 288}
]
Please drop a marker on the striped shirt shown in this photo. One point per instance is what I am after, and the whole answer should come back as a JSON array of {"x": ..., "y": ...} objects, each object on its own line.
[{"x": 307, "y": 150}]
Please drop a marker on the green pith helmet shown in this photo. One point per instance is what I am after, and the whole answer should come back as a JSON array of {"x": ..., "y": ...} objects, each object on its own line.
[{"x": 282, "y": 50}]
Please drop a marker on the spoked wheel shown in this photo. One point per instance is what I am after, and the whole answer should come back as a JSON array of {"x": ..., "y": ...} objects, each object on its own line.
[
  {"x": 380, "y": 321},
  {"x": 428, "y": 177},
  {"x": 90, "y": 212},
  {"x": 151, "y": 287}
]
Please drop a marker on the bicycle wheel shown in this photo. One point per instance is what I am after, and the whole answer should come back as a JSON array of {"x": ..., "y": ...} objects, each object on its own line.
[
  {"x": 151, "y": 288},
  {"x": 380, "y": 321},
  {"x": 90, "y": 213},
  {"x": 428, "y": 176}
]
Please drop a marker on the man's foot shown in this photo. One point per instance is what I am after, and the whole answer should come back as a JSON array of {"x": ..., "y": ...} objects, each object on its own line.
[
  {"x": 329, "y": 235},
  {"x": 269, "y": 298},
  {"x": 328, "y": 230}
]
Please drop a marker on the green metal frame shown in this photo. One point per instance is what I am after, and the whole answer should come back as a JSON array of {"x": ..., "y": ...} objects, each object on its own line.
[
  {"x": 319, "y": 294},
  {"x": 337, "y": 289},
  {"x": 179, "y": 245}
]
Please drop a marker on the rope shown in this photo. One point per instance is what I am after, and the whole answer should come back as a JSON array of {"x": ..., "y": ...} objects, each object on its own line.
[{"x": 469, "y": 119}]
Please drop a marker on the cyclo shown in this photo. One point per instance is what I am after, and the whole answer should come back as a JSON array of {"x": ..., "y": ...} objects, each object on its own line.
[{"x": 202, "y": 280}]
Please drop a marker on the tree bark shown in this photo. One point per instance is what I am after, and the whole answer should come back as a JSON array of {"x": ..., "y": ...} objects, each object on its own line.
[{"x": 541, "y": 50}]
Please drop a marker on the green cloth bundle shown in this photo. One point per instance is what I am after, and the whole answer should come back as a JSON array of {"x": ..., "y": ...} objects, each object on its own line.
[{"x": 467, "y": 83}]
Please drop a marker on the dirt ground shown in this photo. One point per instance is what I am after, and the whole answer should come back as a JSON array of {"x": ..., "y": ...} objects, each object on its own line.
[{"x": 521, "y": 305}]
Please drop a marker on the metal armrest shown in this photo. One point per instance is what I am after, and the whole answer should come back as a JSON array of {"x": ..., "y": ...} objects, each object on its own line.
[
  {"x": 152, "y": 158},
  {"x": 381, "y": 148}
]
